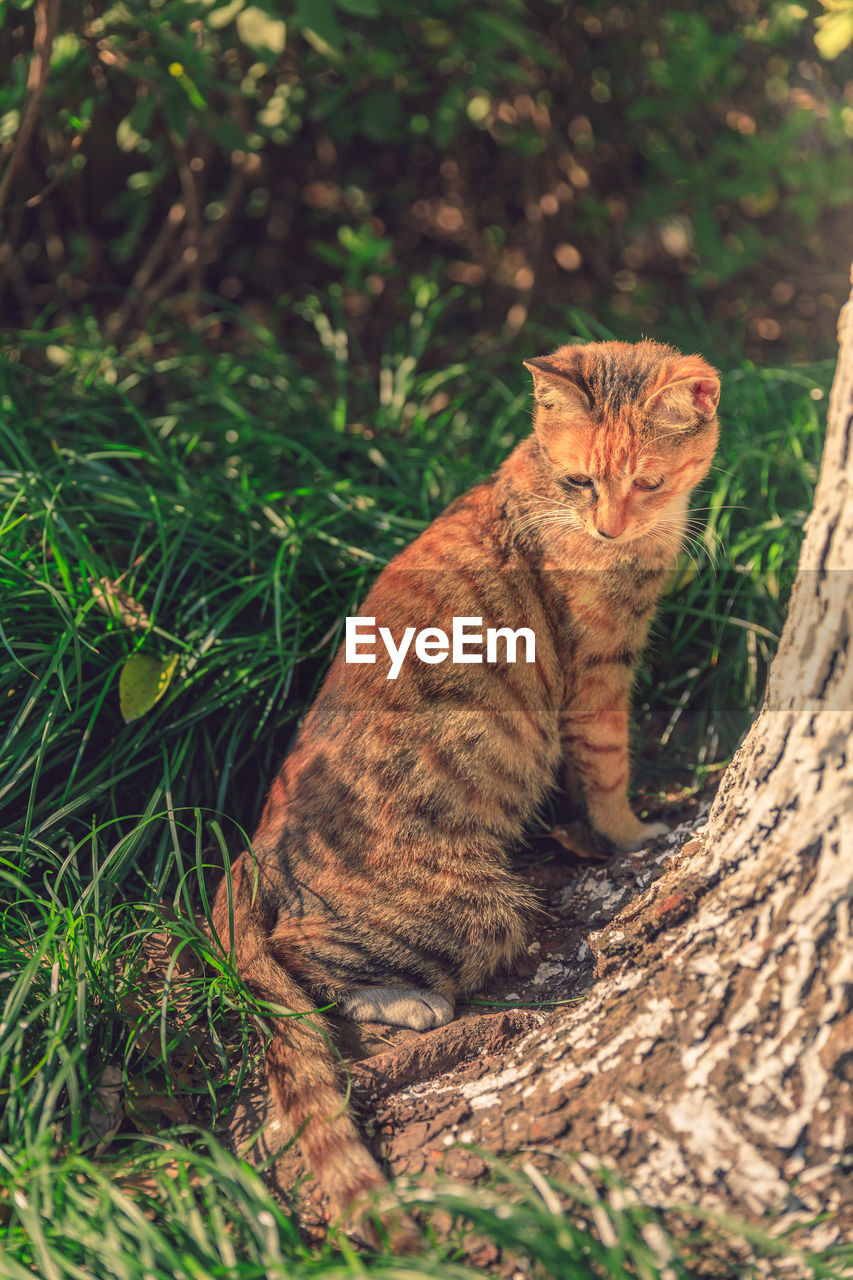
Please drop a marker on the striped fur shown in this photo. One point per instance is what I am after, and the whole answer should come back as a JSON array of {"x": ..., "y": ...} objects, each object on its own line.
[{"x": 379, "y": 876}]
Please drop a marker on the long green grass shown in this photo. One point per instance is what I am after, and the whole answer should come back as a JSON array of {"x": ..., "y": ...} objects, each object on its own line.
[{"x": 243, "y": 500}]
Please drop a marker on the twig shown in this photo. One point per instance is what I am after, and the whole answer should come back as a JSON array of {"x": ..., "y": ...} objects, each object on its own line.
[
  {"x": 34, "y": 201},
  {"x": 207, "y": 241},
  {"x": 145, "y": 272},
  {"x": 46, "y": 24},
  {"x": 146, "y": 295},
  {"x": 192, "y": 200}
]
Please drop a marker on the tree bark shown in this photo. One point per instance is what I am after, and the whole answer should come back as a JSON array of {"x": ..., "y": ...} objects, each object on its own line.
[{"x": 710, "y": 1063}]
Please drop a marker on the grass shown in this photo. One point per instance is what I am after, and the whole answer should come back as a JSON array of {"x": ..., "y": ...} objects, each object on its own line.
[
  {"x": 172, "y": 1210},
  {"x": 243, "y": 502}
]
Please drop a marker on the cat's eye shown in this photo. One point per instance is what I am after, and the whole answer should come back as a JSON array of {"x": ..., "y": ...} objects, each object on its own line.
[
  {"x": 579, "y": 482},
  {"x": 647, "y": 484}
]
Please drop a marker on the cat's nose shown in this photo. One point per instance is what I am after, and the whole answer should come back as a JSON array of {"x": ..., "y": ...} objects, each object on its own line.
[{"x": 609, "y": 519}]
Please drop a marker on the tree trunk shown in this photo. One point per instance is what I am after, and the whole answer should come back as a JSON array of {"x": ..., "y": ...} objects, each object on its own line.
[{"x": 711, "y": 1061}]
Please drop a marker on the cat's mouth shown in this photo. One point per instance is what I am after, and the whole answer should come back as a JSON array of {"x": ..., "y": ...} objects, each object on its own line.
[
  {"x": 616, "y": 539},
  {"x": 629, "y": 535}
]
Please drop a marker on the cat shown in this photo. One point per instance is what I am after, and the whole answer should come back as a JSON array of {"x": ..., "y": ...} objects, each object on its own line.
[{"x": 379, "y": 877}]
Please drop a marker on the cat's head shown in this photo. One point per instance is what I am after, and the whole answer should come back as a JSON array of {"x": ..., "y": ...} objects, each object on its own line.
[{"x": 628, "y": 429}]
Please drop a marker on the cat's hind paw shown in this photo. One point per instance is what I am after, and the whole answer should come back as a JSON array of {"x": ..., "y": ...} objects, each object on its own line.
[{"x": 397, "y": 1006}]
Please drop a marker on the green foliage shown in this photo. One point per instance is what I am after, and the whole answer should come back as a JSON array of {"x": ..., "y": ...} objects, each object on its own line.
[
  {"x": 237, "y": 77},
  {"x": 625, "y": 158},
  {"x": 726, "y": 141},
  {"x": 359, "y": 254},
  {"x": 746, "y": 169}
]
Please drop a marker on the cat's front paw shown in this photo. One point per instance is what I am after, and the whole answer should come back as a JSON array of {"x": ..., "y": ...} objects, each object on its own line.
[
  {"x": 647, "y": 831},
  {"x": 623, "y": 832}
]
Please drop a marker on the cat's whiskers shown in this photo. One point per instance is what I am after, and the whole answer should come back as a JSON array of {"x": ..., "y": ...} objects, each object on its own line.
[
  {"x": 671, "y": 543},
  {"x": 545, "y": 513},
  {"x": 537, "y": 522},
  {"x": 693, "y": 555},
  {"x": 689, "y": 541},
  {"x": 536, "y": 519},
  {"x": 705, "y": 534},
  {"x": 708, "y": 538},
  {"x": 701, "y": 530},
  {"x": 722, "y": 470},
  {"x": 730, "y": 506},
  {"x": 701, "y": 549},
  {"x": 544, "y": 497}
]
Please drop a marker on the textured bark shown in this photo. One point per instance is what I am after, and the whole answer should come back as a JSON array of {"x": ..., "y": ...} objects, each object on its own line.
[{"x": 711, "y": 1060}]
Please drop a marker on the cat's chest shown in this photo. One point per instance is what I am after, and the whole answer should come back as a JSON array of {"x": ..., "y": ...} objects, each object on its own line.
[
  {"x": 613, "y": 593},
  {"x": 606, "y": 613}
]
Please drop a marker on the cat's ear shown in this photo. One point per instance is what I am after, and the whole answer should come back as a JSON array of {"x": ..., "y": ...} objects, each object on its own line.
[
  {"x": 688, "y": 394},
  {"x": 556, "y": 387}
]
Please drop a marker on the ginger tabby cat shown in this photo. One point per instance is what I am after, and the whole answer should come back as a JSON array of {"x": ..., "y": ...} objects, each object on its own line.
[{"x": 379, "y": 876}]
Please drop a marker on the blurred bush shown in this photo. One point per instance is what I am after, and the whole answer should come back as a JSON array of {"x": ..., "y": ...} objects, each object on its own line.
[{"x": 642, "y": 161}]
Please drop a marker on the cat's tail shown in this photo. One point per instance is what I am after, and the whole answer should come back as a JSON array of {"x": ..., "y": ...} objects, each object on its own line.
[{"x": 302, "y": 1068}]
